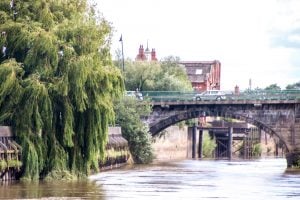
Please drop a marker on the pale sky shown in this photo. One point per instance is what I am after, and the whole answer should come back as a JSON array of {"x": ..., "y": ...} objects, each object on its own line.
[{"x": 253, "y": 39}]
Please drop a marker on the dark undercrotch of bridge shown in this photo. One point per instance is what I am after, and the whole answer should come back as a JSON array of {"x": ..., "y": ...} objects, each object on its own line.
[{"x": 279, "y": 118}]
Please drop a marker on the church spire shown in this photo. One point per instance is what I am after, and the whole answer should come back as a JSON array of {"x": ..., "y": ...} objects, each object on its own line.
[{"x": 147, "y": 53}]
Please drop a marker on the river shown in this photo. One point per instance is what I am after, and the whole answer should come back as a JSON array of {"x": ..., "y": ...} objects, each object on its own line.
[{"x": 188, "y": 179}]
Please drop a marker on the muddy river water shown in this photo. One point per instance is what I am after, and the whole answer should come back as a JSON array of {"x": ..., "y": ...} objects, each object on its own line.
[{"x": 186, "y": 179}]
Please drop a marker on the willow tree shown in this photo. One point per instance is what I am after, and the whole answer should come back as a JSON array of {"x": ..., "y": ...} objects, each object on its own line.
[{"x": 57, "y": 83}]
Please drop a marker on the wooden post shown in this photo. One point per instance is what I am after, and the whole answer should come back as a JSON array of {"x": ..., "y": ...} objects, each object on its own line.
[
  {"x": 276, "y": 148},
  {"x": 244, "y": 146},
  {"x": 200, "y": 148},
  {"x": 194, "y": 141},
  {"x": 250, "y": 143},
  {"x": 230, "y": 131},
  {"x": 266, "y": 138},
  {"x": 212, "y": 137},
  {"x": 259, "y": 135},
  {"x": 247, "y": 146},
  {"x": 190, "y": 142}
]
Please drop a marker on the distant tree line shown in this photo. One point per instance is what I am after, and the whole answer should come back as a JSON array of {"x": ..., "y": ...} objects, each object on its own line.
[
  {"x": 274, "y": 86},
  {"x": 165, "y": 75}
]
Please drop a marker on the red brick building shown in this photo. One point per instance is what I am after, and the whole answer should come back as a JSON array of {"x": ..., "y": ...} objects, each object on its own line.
[
  {"x": 204, "y": 75},
  {"x": 146, "y": 54}
]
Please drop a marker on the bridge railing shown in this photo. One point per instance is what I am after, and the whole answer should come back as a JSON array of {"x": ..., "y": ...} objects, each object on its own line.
[
  {"x": 168, "y": 95},
  {"x": 268, "y": 95},
  {"x": 259, "y": 95}
]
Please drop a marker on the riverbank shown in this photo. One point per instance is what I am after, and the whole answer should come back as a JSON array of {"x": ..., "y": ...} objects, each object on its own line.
[{"x": 171, "y": 145}]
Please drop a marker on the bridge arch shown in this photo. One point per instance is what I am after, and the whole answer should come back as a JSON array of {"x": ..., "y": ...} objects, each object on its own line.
[
  {"x": 176, "y": 117},
  {"x": 259, "y": 124}
]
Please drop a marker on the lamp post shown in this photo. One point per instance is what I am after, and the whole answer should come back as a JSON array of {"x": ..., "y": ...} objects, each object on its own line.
[{"x": 121, "y": 40}]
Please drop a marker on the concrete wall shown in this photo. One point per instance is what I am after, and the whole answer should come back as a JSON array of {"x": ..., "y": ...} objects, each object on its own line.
[
  {"x": 5, "y": 131},
  {"x": 270, "y": 146},
  {"x": 172, "y": 145},
  {"x": 114, "y": 130},
  {"x": 117, "y": 152}
]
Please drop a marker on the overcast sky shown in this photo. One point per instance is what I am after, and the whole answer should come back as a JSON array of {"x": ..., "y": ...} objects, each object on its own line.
[{"x": 253, "y": 39}]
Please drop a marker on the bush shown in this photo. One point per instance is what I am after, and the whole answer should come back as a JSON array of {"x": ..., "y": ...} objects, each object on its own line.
[
  {"x": 128, "y": 116},
  {"x": 14, "y": 163},
  {"x": 10, "y": 163},
  {"x": 209, "y": 145},
  {"x": 3, "y": 165},
  {"x": 256, "y": 151}
]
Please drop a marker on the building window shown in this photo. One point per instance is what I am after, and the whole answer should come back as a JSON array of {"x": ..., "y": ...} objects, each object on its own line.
[{"x": 198, "y": 71}]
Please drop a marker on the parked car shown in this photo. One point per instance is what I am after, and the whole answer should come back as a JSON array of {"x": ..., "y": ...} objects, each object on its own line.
[
  {"x": 135, "y": 94},
  {"x": 210, "y": 95}
]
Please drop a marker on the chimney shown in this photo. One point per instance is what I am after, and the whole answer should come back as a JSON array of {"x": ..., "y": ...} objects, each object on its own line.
[
  {"x": 141, "y": 54},
  {"x": 143, "y": 57},
  {"x": 153, "y": 55},
  {"x": 141, "y": 50}
]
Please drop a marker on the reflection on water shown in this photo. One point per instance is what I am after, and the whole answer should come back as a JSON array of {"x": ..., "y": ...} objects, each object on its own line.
[
  {"x": 189, "y": 179},
  {"x": 60, "y": 190}
]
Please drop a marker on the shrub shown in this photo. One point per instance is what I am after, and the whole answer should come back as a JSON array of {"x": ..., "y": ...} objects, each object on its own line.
[
  {"x": 209, "y": 145},
  {"x": 256, "y": 151},
  {"x": 3, "y": 165},
  {"x": 128, "y": 116}
]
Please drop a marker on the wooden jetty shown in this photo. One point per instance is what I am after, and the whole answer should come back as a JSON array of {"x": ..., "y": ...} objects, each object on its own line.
[
  {"x": 10, "y": 153},
  {"x": 117, "y": 150},
  {"x": 229, "y": 138}
]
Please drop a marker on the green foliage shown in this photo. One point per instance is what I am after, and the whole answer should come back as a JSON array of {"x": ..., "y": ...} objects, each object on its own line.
[
  {"x": 113, "y": 153},
  {"x": 181, "y": 124},
  {"x": 14, "y": 163},
  {"x": 128, "y": 116},
  {"x": 141, "y": 74},
  {"x": 295, "y": 86},
  {"x": 10, "y": 163},
  {"x": 61, "y": 175},
  {"x": 256, "y": 150},
  {"x": 231, "y": 120},
  {"x": 209, "y": 145},
  {"x": 10, "y": 90},
  {"x": 167, "y": 75},
  {"x": 173, "y": 76},
  {"x": 3, "y": 165},
  {"x": 191, "y": 122},
  {"x": 273, "y": 87},
  {"x": 57, "y": 84},
  {"x": 3, "y": 17}
]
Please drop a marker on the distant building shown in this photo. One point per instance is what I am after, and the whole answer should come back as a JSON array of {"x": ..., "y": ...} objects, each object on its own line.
[
  {"x": 146, "y": 54},
  {"x": 204, "y": 75}
]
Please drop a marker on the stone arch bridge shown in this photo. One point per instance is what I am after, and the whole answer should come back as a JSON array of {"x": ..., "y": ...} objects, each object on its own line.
[{"x": 276, "y": 116}]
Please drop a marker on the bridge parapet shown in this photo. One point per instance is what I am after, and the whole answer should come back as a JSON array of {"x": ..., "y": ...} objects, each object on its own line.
[{"x": 258, "y": 95}]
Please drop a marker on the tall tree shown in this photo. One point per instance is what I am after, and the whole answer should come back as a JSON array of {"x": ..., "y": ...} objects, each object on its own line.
[
  {"x": 273, "y": 87},
  {"x": 295, "y": 86},
  {"x": 140, "y": 75},
  {"x": 173, "y": 76},
  {"x": 57, "y": 83},
  {"x": 166, "y": 75}
]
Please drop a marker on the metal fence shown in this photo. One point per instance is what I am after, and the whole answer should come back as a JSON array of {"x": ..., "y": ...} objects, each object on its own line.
[{"x": 259, "y": 95}]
